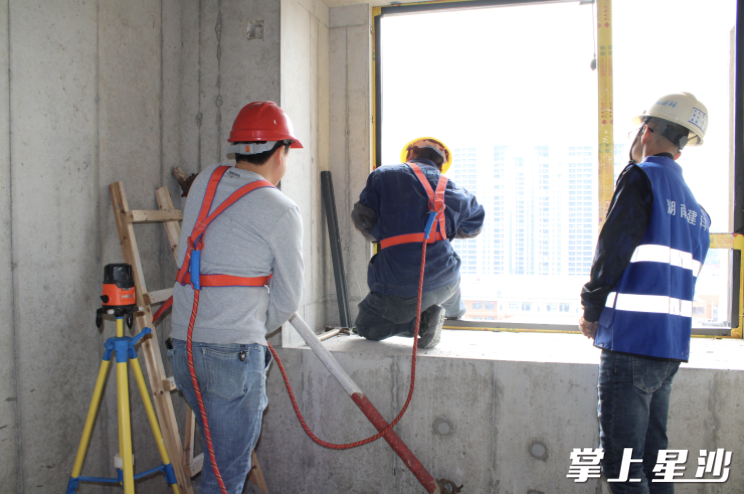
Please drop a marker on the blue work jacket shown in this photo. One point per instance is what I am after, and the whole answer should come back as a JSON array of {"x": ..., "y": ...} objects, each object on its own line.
[
  {"x": 650, "y": 311},
  {"x": 400, "y": 204}
]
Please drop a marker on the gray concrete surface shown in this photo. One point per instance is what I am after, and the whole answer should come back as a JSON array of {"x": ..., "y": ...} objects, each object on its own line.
[
  {"x": 481, "y": 401},
  {"x": 350, "y": 143},
  {"x": 9, "y": 431},
  {"x": 304, "y": 96}
]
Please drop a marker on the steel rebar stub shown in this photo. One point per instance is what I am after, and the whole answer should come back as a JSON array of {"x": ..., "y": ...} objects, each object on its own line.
[{"x": 449, "y": 487}]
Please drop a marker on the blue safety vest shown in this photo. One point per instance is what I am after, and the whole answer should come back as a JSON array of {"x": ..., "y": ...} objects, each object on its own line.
[{"x": 650, "y": 311}]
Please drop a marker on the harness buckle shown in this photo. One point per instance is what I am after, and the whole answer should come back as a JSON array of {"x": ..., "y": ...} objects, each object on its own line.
[
  {"x": 194, "y": 266},
  {"x": 429, "y": 223}
]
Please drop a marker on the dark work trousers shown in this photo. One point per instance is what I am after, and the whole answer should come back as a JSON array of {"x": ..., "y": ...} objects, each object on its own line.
[
  {"x": 382, "y": 316},
  {"x": 633, "y": 408}
]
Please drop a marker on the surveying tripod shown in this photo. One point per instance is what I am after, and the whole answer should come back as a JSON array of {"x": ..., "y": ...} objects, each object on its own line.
[{"x": 118, "y": 300}]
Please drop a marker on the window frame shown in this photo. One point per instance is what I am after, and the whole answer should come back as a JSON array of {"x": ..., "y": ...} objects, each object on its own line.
[{"x": 733, "y": 242}]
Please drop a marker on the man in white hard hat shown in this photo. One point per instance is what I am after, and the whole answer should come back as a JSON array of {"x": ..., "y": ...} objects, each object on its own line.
[
  {"x": 638, "y": 302},
  {"x": 394, "y": 209}
]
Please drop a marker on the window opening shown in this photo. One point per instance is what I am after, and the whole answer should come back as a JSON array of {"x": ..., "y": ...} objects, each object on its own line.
[{"x": 517, "y": 104}]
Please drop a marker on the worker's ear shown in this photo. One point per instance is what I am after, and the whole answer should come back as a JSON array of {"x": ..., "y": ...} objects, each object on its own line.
[
  {"x": 676, "y": 156},
  {"x": 279, "y": 156},
  {"x": 646, "y": 135}
]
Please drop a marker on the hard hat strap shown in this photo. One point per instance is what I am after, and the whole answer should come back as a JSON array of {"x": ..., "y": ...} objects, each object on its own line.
[
  {"x": 251, "y": 147},
  {"x": 677, "y": 134}
]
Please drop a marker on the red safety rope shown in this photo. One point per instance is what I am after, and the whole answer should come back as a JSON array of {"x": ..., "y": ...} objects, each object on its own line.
[
  {"x": 201, "y": 226},
  {"x": 410, "y": 389},
  {"x": 195, "y": 383}
]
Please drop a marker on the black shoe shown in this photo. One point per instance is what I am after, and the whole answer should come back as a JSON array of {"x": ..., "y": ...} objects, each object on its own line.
[{"x": 430, "y": 332}]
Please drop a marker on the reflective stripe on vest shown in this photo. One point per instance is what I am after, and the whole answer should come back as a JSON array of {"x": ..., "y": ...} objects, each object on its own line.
[
  {"x": 666, "y": 255},
  {"x": 195, "y": 241},
  {"x": 436, "y": 204},
  {"x": 656, "y": 304}
]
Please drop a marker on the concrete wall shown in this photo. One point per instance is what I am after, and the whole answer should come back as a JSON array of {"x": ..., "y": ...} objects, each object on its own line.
[
  {"x": 104, "y": 91},
  {"x": 91, "y": 97},
  {"x": 482, "y": 402},
  {"x": 350, "y": 144},
  {"x": 9, "y": 430},
  {"x": 305, "y": 97}
]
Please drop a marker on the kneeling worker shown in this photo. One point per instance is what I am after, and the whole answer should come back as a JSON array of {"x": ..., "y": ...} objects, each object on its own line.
[
  {"x": 257, "y": 238},
  {"x": 393, "y": 209}
]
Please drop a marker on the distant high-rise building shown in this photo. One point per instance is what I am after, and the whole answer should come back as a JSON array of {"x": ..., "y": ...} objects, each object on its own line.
[
  {"x": 465, "y": 174},
  {"x": 582, "y": 172},
  {"x": 541, "y": 208}
]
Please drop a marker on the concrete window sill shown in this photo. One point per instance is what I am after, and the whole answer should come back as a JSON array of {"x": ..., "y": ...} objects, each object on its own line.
[{"x": 705, "y": 353}]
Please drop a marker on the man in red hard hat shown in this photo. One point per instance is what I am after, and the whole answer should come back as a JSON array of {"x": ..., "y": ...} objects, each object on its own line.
[{"x": 257, "y": 238}]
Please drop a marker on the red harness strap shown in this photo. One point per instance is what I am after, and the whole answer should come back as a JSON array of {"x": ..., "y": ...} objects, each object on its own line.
[
  {"x": 196, "y": 239},
  {"x": 190, "y": 274},
  {"x": 436, "y": 205}
]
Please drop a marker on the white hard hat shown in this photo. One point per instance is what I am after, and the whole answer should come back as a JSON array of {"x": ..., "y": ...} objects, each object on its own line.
[{"x": 682, "y": 109}]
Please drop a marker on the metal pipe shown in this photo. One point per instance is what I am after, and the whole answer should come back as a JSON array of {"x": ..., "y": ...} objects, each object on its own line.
[
  {"x": 329, "y": 199},
  {"x": 395, "y": 442}
]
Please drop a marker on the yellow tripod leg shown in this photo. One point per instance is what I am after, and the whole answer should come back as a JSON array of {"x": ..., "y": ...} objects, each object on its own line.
[
  {"x": 125, "y": 430},
  {"x": 92, "y": 411},
  {"x": 154, "y": 423}
]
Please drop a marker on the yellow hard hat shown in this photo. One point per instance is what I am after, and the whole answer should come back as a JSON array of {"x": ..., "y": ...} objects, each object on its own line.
[{"x": 429, "y": 142}]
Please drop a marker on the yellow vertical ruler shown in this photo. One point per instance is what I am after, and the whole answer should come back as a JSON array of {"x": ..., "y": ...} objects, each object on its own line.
[{"x": 606, "y": 149}]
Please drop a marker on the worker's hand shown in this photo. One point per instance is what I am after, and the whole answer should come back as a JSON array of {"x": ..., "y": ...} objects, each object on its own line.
[{"x": 588, "y": 329}]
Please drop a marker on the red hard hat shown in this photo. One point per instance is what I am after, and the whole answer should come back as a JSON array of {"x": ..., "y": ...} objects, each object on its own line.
[{"x": 263, "y": 121}]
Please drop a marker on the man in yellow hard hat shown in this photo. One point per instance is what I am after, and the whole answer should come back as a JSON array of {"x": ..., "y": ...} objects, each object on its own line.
[
  {"x": 638, "y": 302},
  {"x": 393, "y": 209}
]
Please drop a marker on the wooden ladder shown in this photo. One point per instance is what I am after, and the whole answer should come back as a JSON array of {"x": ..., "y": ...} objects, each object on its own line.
[{"x": 161, "y": 385}]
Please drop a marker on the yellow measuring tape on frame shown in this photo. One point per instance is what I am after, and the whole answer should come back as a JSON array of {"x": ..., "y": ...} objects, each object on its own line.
[{"x": 606, "y": 149}]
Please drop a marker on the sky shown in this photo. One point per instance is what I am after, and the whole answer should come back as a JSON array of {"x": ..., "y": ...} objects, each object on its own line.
[{"x": 521, "y": 76}]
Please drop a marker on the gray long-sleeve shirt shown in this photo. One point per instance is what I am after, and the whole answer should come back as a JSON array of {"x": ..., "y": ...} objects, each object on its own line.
[{"x": 260, "y": 234}]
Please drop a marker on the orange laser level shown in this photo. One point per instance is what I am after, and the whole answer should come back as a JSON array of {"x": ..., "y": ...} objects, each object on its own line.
[{"x": 118, "y": 293}]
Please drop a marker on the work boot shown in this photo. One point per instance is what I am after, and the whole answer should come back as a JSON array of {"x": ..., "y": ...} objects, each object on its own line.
[{"x": 430, "y": 331}]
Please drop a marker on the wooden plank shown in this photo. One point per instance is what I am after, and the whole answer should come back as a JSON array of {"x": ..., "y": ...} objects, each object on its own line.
[
  {"x": 329, "y": 334},
  {"x": 169, "y": 383},
  {"x": 160, "y": 216},
  {"x": 188, "y": 442},
  {"x": 158, "y": 297},
  {"x": 172, "y": 228},
  {"x": 150, "y": 346},
  {"x": 197, "y": 463},
  {"x": 256, "y": 475}
]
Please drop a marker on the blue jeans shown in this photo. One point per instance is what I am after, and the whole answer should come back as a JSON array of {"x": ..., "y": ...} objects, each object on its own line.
[
  {"x": 232, "y": 381},
  {"x": 382, "y": 316},
  {"x": 633, "y": 408}
]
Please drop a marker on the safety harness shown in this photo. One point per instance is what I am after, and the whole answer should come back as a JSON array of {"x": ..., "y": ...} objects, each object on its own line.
[
  {"x": 436, "y": 214},
  {"x": 190, "y": 274}
]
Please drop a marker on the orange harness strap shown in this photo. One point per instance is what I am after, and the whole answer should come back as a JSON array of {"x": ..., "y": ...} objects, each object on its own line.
[
  {"x": 187, "y": 275},
  {"x": 436, "y": 205}
]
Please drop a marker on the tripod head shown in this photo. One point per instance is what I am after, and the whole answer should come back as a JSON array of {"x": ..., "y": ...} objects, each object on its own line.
[{"x": 117, "y": 295}]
